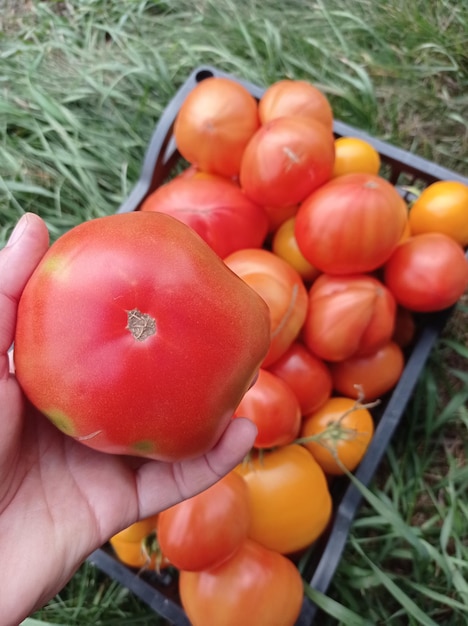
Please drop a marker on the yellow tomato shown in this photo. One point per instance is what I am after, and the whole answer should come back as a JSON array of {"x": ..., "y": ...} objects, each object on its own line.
[
  {"x": 442, "y": 207},
  {"x": 143, "y": 554},
  {"x": 284, "y": 245},
  {"x": 138, "y": 530},
  {"x": 290, "y": 503},
  {"x": 355, "y": 155}
]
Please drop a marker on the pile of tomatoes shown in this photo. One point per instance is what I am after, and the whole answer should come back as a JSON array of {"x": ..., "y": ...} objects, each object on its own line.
[{"x": 306, "y": 221}]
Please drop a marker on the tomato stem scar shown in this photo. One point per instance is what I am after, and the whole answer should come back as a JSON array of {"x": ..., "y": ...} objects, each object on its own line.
[{"x": 141, "y": 325}]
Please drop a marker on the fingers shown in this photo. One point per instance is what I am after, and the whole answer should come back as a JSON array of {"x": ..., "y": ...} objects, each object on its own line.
[
  {"x": 27, "y": 245},
  {"x": 161, "y": 485}
]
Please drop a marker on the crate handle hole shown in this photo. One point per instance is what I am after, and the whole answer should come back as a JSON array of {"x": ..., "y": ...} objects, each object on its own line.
[{"x": 203, "y": 75}]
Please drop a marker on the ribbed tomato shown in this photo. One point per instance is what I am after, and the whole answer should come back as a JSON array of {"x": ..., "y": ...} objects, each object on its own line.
[{"x": 351, "y": 224}]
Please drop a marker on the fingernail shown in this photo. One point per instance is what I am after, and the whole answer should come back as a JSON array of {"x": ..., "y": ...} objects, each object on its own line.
[{"x": 18, "y": 230}]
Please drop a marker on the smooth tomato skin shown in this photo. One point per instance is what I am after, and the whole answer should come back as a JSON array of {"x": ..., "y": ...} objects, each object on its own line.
[
  {"x": 273, "y": 407},
  {"x": 290, "y": 503},
  {"x": 138, "y": 554},
  {"x": 442, "y": 207},
  {"x": 281, "y": 287},
  {"x": 138, "y": 531},
  {"x": 285, "y": 160},
  {"x": 348, "y": 316},
  {"x": 297, "y": 98},
  {"x": 255, "y": 587},
  {"x": 345, "y": 446},
  {"x": 351, "y": 224},
  {"x": 285, "y": 246},
  {"x": 427, "y": 272},
  {"x": 214, "y": 125},
  {"x": 307, "y": 375},
  {"x": 355, "y": 155},
  {"x": 207, "y": 529},
  {"x": 216, "y": 209},
  {"x": 372, "y": 375},
  {"x": 82, "y": 355}
]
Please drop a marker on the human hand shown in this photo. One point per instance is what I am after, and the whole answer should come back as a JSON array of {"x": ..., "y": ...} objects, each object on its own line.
[{"x": 60, "y": 500}]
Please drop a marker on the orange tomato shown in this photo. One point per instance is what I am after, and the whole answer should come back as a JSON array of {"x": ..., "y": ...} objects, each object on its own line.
[
  {"x": 281, "y": 287},
  {"x": 137, "y": 545},
  {"x": 139, "y": 530},
  {"x": 214, "y": 125},
  {"x": 342, "y": 431},
  {"x": 371, "y": 375},
  {"x": 355, "y": 155},
  {"x": 297, "y": 98},
  {"x": 348, "y": 316},
  {"x": 284, "y": 245},
  {"x": 255, "y": 587},
  {"x": 290, "y": 503},
  {"x": 442, "y": 207}
]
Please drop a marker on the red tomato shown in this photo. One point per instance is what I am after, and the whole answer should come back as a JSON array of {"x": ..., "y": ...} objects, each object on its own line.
[
  {"x": 214, "y": 125},
  {"x": 296, "y": 98},
  {"x": 207, "y": 529},
  {"x": 371, "y": 375},
  {"x": 274, "y": 408},
  {"x": 216, "y": 209},
  {"x": 307, "y": 375},
  {"x": 351, "y": 224},
  {"x": 427, "y": 272},
  {"x": 282, "y": 289},
  {"x": 290, "y": 503},
  {"x": 341, "y": 432},
  {"x": 255, "y": 587},
  {"x": 348, "y": 316},
  {"x": 134, "y": 338},
  {"x": 286, "y": 160}
]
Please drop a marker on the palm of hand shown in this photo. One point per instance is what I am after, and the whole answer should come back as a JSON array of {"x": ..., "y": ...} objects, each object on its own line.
[{"x": 60, "y": 500}]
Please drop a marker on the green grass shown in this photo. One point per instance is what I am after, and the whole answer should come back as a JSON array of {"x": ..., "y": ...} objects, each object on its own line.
[{"x": 82, "y": 85}]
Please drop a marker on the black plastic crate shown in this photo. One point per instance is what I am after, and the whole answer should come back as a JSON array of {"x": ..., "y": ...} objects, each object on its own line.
[{"x": 404, "y": 170}]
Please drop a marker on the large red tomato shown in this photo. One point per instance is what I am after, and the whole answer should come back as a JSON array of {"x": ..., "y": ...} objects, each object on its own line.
[
  {"x": 286, "y": 160},
  {"x": 281, "y": 287},
  {"x": 273, "y": 407},
  {"x": 427, "y": 272},
  {"x": 134, "y": 338},
  {"x": 208, "y": 528},
  {"x": 351, "y": 224},
  {"x": 214, "y": 124},
  {"x": 348, "y": 315},
  {"x": 307, "y": 375},
  {"x": 216, "y": 209},
  {"x": 290, "y": 503},
  {"x": 255, "y": 587}
]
